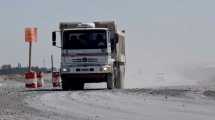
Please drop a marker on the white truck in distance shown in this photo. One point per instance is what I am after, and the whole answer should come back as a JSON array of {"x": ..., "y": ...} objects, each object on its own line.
[{"x": 91, "y": 52}]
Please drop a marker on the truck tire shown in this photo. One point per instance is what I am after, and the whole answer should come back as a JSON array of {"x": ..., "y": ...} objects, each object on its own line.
[
  {"x": 120, "y": 76},
  {"x": 71, "y": 85},
  {"x": 110, "y": 81},
  {"x": 77, "y": 85},
  {"x": 65, "y": 85},
  {"x": 118, "y": 81},
  {"x": 81, "y": 85}
]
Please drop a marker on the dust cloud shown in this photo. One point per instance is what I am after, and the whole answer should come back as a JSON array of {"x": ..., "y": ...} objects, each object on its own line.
[{"x": 170, "y": 72}]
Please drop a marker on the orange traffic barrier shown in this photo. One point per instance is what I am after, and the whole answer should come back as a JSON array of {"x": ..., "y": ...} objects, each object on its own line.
[
  {"x": 40, "y": 81},
  {"x": 56, "y": 79},
  {"x": 31, "y": 80}
]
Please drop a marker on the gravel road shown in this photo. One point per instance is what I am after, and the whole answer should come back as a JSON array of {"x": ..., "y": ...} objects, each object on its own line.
[{"x": 178, "y": 103}]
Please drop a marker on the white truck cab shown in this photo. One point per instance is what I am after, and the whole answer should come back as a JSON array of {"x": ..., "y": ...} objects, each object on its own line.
[{"x": 91, "y": 52}]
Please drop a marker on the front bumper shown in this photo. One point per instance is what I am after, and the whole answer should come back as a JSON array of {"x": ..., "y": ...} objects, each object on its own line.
[{"x": 85, "y": 77}]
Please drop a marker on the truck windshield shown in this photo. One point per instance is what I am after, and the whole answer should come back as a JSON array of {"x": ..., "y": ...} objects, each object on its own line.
[{"x": 84, "y": 39}]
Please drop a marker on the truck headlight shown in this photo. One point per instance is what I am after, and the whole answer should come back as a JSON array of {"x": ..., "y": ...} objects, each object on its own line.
[
  {"x": 65, "y": 69},
  {"x": 107, "y": 68}
]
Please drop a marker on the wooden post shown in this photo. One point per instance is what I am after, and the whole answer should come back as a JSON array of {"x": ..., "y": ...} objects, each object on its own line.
[
  {"x": 52, "y": 66},
  {"x": 52, "y": 63},
  {"x": 30, "y": 36},
  {"x": 30, "y": 49}
]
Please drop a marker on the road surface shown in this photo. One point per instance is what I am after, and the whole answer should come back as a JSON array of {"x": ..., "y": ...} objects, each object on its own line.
[{"x": 167, "y": 103}]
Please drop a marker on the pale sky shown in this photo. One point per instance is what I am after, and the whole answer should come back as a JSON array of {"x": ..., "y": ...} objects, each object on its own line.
[{"x": 161, "y": 35}]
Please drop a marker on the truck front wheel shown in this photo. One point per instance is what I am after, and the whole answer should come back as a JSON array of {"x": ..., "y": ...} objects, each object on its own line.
[
  {"x": 118, "y": 81},
  {"x": 65, "y": 84},
  {"x": 78, "y": 85},
  {"x": 110, "y": 81},
  {"x": 68, "y": 84}
]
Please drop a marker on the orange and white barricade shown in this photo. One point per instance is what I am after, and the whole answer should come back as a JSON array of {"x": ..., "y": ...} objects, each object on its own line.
[
  {"x": 40, "y": 81},
  {"x": 31, "y": 79},
  {"x": 56, "y": 79}
]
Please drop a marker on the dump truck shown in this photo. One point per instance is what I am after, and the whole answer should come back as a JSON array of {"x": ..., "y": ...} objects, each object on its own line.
[{"x": 91, "y": 53}]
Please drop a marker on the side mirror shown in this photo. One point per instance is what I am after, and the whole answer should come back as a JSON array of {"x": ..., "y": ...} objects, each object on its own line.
[
  {"x": 54, "y": 38},
  {"x": 54, "y": 43},
  {"x": 114, "y": 41},
  {"x": 116, "y": 38}
]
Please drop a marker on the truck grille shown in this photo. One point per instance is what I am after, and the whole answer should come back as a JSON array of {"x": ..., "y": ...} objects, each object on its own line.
[
  {"x": 84, "y": 69},
  {"x": 85, "y": 60},
  {"x": 85, "y": 65}
]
